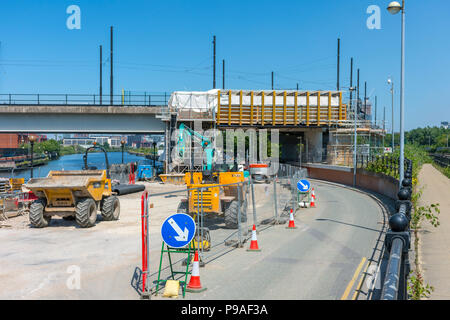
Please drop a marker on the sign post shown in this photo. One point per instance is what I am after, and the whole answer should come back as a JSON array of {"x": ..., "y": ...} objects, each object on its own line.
[
  {"x": 303, "y": 190},
  {"x": 177, "y": 232}
]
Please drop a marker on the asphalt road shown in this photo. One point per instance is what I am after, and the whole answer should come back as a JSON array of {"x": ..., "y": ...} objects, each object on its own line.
[
  {"x": 318, "y": 260},
  {"x": 324, "y": 258}
]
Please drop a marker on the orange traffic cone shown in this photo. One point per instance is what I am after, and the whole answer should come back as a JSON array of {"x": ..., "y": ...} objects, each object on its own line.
[
  {"x": 254, "y": 242},
  {"x": 291, "y": 221},
  {"x": 194, "y": 284},
  {"x": 313, "y": 194},
  {"x": 313, "y": 202}
]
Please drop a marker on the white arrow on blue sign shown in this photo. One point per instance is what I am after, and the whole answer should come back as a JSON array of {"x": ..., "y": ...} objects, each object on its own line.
[
  {"x": 303, "y": 185},
  {"x": 178, "y": 230}
]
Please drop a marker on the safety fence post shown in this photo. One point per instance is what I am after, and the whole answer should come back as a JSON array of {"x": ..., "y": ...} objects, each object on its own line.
[
  {"x": 275, "y": 208},
  {"x": 146, "y": 292},
  {"x": 255, "y": 221},
  {"x": 240, "y": 243}
]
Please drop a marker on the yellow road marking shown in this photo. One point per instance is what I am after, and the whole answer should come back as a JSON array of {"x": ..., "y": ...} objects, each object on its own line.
[
  {"x": 358, "y": 288},
  {"x": 355, "y": 276}
]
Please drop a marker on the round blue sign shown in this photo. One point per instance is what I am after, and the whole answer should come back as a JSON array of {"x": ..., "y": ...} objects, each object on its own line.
[
  {"x": 178, "y": 230},
  {"x": 303, "y": 185}
]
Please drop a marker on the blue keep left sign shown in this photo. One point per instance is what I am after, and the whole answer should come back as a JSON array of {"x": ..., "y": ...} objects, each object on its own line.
[
  {"x": 303, "y": 185},
  {"x": 178, "y": 230}
]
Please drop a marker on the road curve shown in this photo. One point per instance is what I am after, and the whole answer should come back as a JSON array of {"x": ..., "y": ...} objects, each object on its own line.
[{"x": 323, "y": 258}]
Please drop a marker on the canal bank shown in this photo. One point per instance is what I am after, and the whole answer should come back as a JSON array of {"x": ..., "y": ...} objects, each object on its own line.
[{"x": 75, "y": 162}]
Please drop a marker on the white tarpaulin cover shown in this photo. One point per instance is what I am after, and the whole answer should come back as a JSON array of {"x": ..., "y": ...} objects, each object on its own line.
[
  {"x": 198, "y": 101},
  {"x": 201, "y": 101}
]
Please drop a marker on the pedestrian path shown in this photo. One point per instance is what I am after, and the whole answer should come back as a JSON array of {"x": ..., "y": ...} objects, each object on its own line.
[{"x": 434, "y": 250}]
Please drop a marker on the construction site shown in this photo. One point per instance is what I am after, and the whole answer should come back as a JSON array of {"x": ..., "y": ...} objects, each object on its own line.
[{"x": 230, "y": 197}]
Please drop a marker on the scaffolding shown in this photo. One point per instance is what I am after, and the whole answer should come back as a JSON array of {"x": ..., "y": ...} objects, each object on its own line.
[{"x": 340, "y": 148}]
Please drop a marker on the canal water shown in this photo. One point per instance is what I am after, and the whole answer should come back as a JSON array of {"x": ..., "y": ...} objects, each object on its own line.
[{"x": 75, "y": 162}]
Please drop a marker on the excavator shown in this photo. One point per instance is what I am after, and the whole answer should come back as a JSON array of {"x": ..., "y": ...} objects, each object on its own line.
[{"x": 216, "y": 198}]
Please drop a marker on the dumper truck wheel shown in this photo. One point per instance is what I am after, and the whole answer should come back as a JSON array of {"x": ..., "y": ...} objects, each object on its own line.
[
  {"x": 37, "y": 218},
  {"x": 111, "y": 208},
  {"x": 182, "y": 207},
  {"x": 86, "y": 213},
  {"x": 231, "y": 215}
]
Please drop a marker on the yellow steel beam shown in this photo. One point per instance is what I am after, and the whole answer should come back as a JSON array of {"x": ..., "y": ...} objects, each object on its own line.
[
  {"x": 340, "y": 105},
  {"x": 273, "y": 108},
  {"x": 218, "y": 107},
  {"x": 318, "y": 108},
  {"x": 307, "y": 108},
  {"x": 329, "y": 108},
  {"x": 284, "y": 108},
  {"x": 295, "y": 107},
  {"x": 262, "y": 108},
  {"x": 251, "y": 108},
  {"x": 229, "y": 107},
  {"x": 240, "y": 108}
]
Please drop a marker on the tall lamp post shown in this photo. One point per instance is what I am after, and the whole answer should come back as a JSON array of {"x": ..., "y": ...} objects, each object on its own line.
[
  {"x": 122, "y": 142},
  {"x": 394, "y": 7},
  {"x": 392, "y": 94},
  {"x": 32, "y": 138}
]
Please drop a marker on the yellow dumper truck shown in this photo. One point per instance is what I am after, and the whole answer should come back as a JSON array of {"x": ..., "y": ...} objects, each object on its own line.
[{"x": 75, "y": 195}]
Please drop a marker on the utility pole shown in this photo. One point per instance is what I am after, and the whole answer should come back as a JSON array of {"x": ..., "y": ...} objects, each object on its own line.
[
  {"x": 111, "y": 80},
  {"x": 375, "y": 111},
  {"x": 365, "y": 99},
  {"x": 351, "y": 82},
  {"x": 357, "y": 93},
  {"x": 297, "y": 86},
  {"x": 338, "y": 61},
  {"x": 214, "y": 62},
  {"x": 101, "y": 75},
  {"x": 223, "y": 74},
  {"x": 384, "y": 123},
  {"x": 272, "y": 80}
]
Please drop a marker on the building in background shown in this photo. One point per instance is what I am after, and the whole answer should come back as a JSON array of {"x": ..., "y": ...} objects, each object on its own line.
[
  {"x": 444, "y": 124},
  {"x": 82, "y": 142}
]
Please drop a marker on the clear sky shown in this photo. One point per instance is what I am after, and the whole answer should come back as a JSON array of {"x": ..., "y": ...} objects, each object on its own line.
[{"x": 163, "y": 46}]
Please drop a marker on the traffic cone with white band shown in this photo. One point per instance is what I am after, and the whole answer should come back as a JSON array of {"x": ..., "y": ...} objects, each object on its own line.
[
  {"x": 194, "y": 284},
  {"x": 313, "y": 201},
  {"x": 313, "y": 195},
  {"x": 254, "y": 242},
  {"x": 291, "y": 221}
]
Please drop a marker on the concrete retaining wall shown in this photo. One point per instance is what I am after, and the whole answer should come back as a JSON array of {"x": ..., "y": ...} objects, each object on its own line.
[{"x": 376, "y": 182}]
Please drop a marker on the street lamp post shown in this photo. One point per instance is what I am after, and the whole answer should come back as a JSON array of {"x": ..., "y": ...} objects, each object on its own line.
[
  {"x": 391, "y": 82},
  {"x": 122, "y": 142},
  {"x": 32, "y": 138},
  {"x": 394, "y": 8}
]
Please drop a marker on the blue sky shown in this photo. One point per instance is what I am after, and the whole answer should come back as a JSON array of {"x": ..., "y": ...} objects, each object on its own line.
[{"x": 162, "y": 46}]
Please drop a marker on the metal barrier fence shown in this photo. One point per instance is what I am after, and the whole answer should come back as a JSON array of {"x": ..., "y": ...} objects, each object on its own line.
[
  {"x": 441, "y": 159},
  {"x": 150, "y": 99},
  {"x": 263, "y": 205},
  {"x": 397, "y": 243}
]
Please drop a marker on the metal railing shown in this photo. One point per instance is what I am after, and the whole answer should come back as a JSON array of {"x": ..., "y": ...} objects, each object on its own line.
[
  {"x": 397, "y": 243},
  {"x": 441, "y": 159},
  {"x": 144, "y": 99}
]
